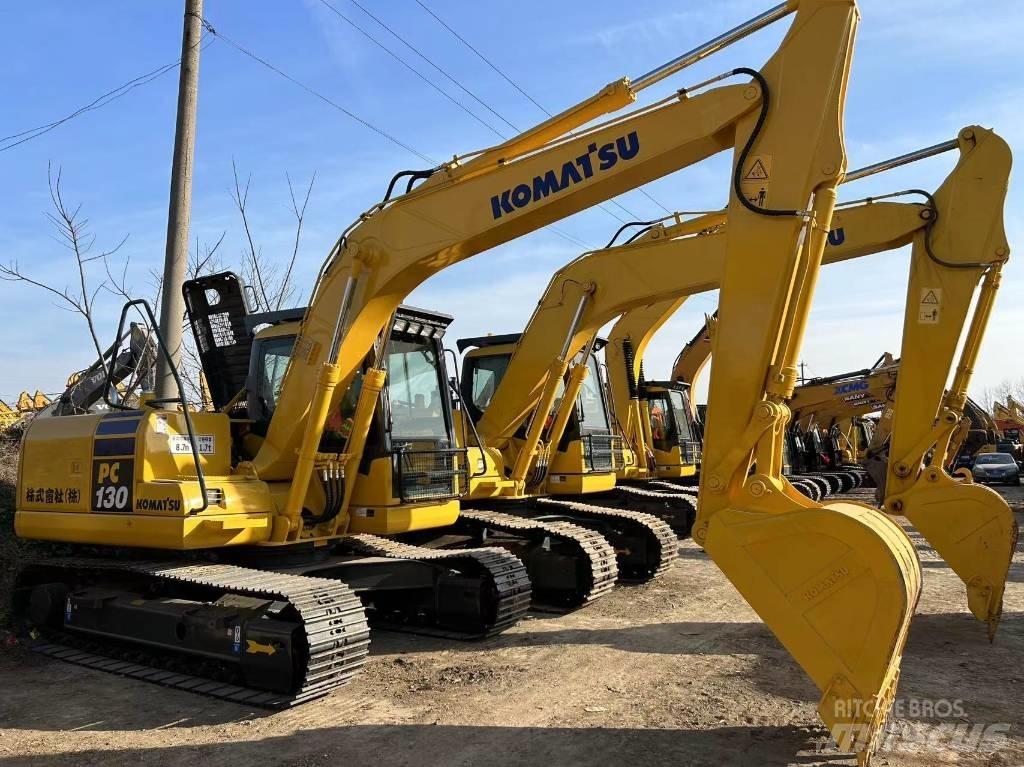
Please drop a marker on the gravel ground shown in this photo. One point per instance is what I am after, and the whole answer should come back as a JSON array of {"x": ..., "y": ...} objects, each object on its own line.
[{"x": 679, "y": 671}]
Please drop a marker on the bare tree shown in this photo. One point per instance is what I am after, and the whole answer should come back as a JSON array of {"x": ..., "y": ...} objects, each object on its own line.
[
  {"x": 202, "y": 260},
  {"x": 1008, "y": 387},
  {"x": 73, "y": 234},
  {"x": 271, "y": 283},
  {"x": 98, "y": 272}
]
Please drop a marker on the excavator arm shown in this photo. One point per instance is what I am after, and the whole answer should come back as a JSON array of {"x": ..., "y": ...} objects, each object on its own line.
[
  {"x": 970, "y": 526},
  {"x": 462, "y": 210},
  {"x": 642, "y": 283},
  {"x": 694, "y": 356},
  {"x": 965, "y": 217}
]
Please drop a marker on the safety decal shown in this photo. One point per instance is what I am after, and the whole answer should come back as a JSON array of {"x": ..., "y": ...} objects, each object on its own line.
[
  {"x": 756, "y": 178},
  {"x": 930, "y": 308}
]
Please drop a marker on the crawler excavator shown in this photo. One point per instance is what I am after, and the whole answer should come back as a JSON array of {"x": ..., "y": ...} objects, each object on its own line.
[
  {"x": 656, "y": 418},
  {"x": 236, "y": 548},
  {"x": 584, "y": 462},
  {"x": 978, "y": 433},
  {"x": 661, "y": 416},
  {"x": 828, "y": 399}
]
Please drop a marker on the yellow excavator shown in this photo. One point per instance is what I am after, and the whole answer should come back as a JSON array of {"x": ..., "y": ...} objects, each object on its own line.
[
  {"x": 979, "y": 433},
  {"x": 656, "y": 418},
  {"x": 235, "y": 546},
  {"x": 824, "y": 437},
  {"x": 1008, "y": 423},
  {"x": 825, "y": 400},
  {"x": 530, "y": 472},
  {"x": 1009, "y": 415}
]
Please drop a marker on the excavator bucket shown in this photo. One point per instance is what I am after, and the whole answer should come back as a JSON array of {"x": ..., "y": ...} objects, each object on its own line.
[
  {"x": 973, "y": 530},
  {"x": 837, "y": 584}
]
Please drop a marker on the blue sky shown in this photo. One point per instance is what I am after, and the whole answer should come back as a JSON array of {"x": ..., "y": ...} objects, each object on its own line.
[{"x": 922, "y": 69}]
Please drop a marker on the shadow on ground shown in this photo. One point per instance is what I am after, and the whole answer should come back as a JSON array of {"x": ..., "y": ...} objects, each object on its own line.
[{"x": 455, "y": 746}]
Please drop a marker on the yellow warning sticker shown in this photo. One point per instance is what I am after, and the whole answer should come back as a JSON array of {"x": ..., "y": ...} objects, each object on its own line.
[
  {"x": 257, "y": 648},
  {"x": 930, "y": 307},
  {"x": 756, "y": 178}
]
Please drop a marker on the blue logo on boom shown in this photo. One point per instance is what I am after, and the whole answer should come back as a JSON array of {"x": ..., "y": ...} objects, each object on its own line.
[
  {"x": 853, "y": 386},
  {"x": 573, "y": 172}
]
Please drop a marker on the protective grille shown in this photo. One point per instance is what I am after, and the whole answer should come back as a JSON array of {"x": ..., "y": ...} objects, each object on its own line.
[
  {"x": 600, "y": 451},
  {"x": 691, "y": 452},
  {"x": 429, "y": 475}
]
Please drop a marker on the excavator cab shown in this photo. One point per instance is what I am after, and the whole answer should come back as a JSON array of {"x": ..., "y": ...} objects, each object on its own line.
[
  {"x": 411, "y": 473},
  {"x": 588, "y": 444},
  {"x": 588, "y": 453},
  {"x": 675, "y": 440}
]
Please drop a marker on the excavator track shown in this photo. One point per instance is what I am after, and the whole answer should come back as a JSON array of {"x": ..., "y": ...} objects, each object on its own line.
[
  {"x": 674, "y": 506},
  {"x": 594, "y": 572},
  {"x": 330, "y": 650},
  {"x": 510, "y": 591},
  {"x": 658, "y": 545}
]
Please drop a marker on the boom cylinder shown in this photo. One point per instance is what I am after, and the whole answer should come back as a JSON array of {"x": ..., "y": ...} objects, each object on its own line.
[
  {"x": 903, "y": 159},
  {"x": 714, "y": 45}
]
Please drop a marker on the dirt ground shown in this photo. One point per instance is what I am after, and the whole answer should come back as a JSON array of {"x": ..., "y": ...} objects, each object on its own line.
[{"x": 675, "y": 672}]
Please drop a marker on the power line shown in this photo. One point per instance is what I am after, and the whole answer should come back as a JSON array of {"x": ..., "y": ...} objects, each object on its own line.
[
  {"x": 487, "y": 61},
  {"x": 452, "y": 78},
  {"x": 413, "y": 69},
  {"x": 317, "y": 94},
  {"x": 313, "y": 92},
  {"x": 515, "y": 85},
  {"x": 440, "y": 69},
  {"x": 97, "y": 103}
]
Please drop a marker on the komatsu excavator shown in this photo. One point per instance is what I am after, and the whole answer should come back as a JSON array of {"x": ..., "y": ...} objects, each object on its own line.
[
  {"x": 520, "y": 478},
  {"x": 666, "y": 412},
  {"x": 836, "y": 584},
  {"x": 508, "y": 383}
]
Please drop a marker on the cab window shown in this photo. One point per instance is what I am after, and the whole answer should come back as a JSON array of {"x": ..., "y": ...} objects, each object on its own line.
[
  {"x": 275, "y": 354},
  {"x": 487, "y": 375},
  {"x": 591, "y": 400},
  {"x": 415, "y": 391}
]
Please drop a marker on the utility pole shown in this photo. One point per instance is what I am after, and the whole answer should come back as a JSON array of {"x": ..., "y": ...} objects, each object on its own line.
[
  {"x": 803, "y": 378},
  {"x": 172, "y": 304}
]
